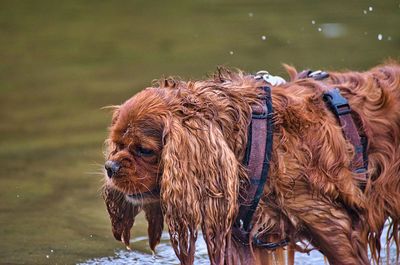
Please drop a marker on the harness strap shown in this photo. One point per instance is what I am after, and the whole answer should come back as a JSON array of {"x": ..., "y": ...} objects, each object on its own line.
[
  {"x": 341, "y": 108},
  {"x": 259, "y": 150},
  {"x": 257, "y": 159}
]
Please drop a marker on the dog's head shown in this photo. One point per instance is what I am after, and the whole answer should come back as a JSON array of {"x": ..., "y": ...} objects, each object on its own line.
[
  {"x": 135, "y": 147},
  {"x": 181, "y": 142}
]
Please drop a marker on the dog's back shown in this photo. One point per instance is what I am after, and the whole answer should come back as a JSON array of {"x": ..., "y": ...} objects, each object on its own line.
[{"x": 319, "y": 187}]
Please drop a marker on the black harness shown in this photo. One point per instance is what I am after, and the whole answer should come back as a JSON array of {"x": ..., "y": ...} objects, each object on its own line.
[{"x": 259, "y": 152}]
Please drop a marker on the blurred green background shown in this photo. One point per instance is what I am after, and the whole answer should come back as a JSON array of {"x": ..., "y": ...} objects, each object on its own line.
[{"x": 61, "y": 61}]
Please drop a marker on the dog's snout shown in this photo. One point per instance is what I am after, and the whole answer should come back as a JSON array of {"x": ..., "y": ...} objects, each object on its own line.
[{"x": 112, "y": 168}]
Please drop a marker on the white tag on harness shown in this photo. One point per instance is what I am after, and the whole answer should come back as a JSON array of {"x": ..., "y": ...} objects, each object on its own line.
[{"x": 273, "y": 80}]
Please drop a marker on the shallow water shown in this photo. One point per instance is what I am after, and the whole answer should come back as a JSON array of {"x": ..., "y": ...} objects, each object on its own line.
[
  {"x": 61, "y": 61},
  {"x": 165, "y": 255}
]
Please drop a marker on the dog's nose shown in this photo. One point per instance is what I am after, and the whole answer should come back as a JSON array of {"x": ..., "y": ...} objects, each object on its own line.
[{"x": 112, "y": 168}]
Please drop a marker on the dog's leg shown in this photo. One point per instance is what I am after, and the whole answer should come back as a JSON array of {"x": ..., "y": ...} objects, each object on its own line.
[
  {"x": 290, "y": 255},
  {"x": 330, "y": 228}
]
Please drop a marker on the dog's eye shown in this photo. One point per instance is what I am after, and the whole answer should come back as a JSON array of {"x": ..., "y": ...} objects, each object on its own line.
[{"x": 140, "y": 151}]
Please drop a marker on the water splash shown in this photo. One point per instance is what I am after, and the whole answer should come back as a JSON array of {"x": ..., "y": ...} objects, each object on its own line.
[{"x": 166, "y": 256}]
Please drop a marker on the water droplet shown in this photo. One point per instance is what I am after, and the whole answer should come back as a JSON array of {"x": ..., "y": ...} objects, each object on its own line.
[
  {"x": 231, "y": 52},
  {"x": 319, "y": 29},
  {"x": 365, "y": 12},
  {"x": 370, "y": 8},
  {"x": 251, "y": 14},
  {"x": 380, "y": 36},
  {"x": 313, "y": 22},
  {"x": 389, "y": 38},
  {"x": 263, "y": 37},
  {"x": 47, "y": 256}
]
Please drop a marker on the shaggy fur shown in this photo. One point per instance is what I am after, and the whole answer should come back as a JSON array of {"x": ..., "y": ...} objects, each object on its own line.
[{"x": 185, "y": 141}]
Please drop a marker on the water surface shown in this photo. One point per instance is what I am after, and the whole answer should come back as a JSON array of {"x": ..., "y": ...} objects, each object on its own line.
[{"x": 165, "y": 255}]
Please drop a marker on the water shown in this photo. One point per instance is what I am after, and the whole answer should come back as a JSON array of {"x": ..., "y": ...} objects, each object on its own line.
[
  {"x": 62, "y": 61},
  {"x": 165, "y": 255}
]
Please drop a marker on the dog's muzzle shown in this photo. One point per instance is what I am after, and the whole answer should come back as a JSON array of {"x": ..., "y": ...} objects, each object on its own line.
[{"x": 112, "y": 168}]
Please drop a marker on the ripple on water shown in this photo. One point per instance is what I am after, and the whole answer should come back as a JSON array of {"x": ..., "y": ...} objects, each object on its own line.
[{"x": 166, "y": 256}]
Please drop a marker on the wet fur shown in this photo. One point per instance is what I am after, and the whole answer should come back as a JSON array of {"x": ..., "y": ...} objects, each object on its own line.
[{"x": 198, "y": 130}]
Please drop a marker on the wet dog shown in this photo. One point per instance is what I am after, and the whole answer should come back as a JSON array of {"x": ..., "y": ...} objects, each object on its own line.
[{"x": 176, "y": 149}]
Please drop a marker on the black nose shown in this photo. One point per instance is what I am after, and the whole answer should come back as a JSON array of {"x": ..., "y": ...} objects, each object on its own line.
[{"x": 112, "y": 168}]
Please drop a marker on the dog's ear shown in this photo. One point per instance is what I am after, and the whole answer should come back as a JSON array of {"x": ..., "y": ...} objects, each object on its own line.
[
  {"x": 155, "y": 221},
  {"x": 122, "y": 214},
  {"x": 199, "y": 186}
]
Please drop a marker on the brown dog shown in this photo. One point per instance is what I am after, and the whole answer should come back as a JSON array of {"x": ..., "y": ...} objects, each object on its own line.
[{"x": 175, "y": 149}]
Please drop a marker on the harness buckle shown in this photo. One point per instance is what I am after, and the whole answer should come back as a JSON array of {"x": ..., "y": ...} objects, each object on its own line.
[{"x": 338, "y": 104}]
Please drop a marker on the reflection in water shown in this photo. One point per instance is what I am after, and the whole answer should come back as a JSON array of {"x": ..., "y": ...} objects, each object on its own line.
[{"x": 165, "y": 255}]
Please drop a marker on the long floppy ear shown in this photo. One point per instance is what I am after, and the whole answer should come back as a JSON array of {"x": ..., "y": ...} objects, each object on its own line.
[
  {"x": 122, "y": 214},
  {"x": 199, "y": 186},
  {"x": 155, "y": 219}
]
